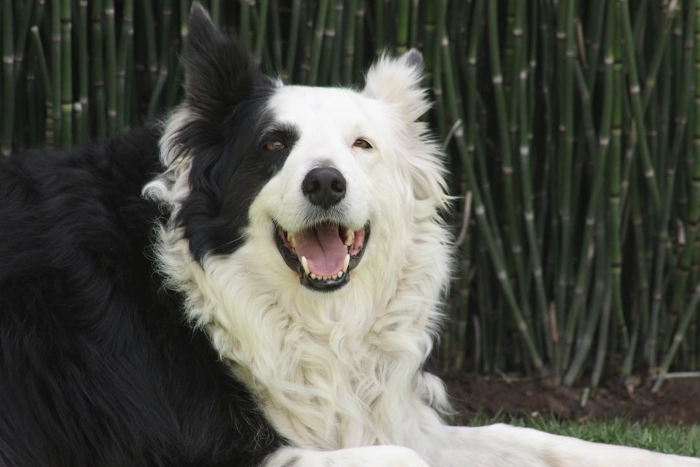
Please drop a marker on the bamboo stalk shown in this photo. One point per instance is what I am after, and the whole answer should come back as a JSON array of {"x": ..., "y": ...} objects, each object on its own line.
[
  {"x": 329, "y": 33},
  {"x": 111, "y": 66},
  {"x": 614, "y": 187},
  {"x": 641, "y": 320},
  {"x": 276, "y": 36},
  {"x": 520, "y": 89},
  {"x": 659, "y": 52},
  {"x": 166, "y": 18},
  {"x": 436, "y": 64},
  {"x": 293, "y": 40},
  {"x": 637, "y": 107},
  {"x": 413, "y": 31},
  {"x": 566, "y": 54},
  {"x": 337, "y": 52},
  {"x": 245, "y": 22},
  {"x": 379, "y": 26},
  {"x": 690, "y": 311},
  {"x": 261, "y": 31},
  {"x": 402, "y": 20},
  {"x": 124, "y": 51},
  {"x": 359, "y": 35},
  {"x": 349, "y": 45},
  {"x": 8, "y": 67},
  {"x": 305, "y": 39},
  {"x": 45, "y": 80},
  {"x": 97, "y": 71},
  {"x": 495, "y": 253},
  {"x": 587, "y": 245},
  {"x": 66, "y": 75},
  {"x": 56, "y": 70},
  {"x": 33, "y": 93},
  {"x": 507, "y": 168},
  {"x": 680, "y": 124},
  {"x": 693, "y": 214},
  {"x": 215, "y": 12},
  {"x": 596, "y": 13},
  {"x": 318, "y": 42},
  {"x": 25, "y": 17},
  {"x": 601, "y": 292},
  {"x": 82, "y": 130}
]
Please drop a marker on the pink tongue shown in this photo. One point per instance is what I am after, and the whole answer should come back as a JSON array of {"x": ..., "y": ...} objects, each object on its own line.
[{"x": 323, "y": 249}]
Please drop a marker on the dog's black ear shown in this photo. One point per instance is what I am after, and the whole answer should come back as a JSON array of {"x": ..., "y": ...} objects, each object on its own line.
[{"x": 219, "y": 71}]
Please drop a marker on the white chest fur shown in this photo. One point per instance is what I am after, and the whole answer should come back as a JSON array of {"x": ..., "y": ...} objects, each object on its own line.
[{"x": 328, "y": 372}]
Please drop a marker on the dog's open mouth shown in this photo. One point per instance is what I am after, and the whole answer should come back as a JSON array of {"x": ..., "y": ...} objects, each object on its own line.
[{"x": 324, "y": 254}]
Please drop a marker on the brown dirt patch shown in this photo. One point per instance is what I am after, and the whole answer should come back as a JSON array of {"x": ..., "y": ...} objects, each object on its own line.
[{"x": 678, "y": 401}]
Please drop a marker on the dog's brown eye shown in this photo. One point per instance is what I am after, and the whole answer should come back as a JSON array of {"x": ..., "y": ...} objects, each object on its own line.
[
  {"x": 362, "y": 143},
  {"x": 274, "y": 145}
]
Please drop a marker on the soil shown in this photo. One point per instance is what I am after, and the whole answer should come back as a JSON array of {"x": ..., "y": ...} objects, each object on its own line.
[{"x": 678, "y": 400}]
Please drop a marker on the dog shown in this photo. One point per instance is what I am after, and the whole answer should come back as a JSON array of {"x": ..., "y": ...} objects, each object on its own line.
[{"x": 255, "y": 281}]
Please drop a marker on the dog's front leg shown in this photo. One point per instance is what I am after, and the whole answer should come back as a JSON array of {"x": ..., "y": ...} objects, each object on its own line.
[
  {"x": 367, "y": 456},
  {"x": 504, "y": 445}
]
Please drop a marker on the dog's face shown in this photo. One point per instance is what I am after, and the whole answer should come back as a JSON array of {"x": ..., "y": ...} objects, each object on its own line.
[{"x": 317, "y": 184}]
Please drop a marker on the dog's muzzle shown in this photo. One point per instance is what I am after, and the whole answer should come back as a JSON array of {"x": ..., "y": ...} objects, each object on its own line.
[{"x": 322, "y": 255}]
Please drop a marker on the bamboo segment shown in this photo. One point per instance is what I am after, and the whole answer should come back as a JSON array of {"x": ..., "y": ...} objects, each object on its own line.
[
  {"x": 99, "y": 104},
  {"x": 8, "y": 67},
  {"x": 124, "y": 51},
  {"x": 27, "y": 8},
  {"x": 609, "y": 100},
  {"x": 81, "y": 120},
  {"x": 512, "y": 225},
  {"x": 693, "y": 215},
  {"x": 163, "y": 70},
  {"x": 318, "y": 42},
  {"x": 56, "y": 71},
  {"x": 66, "y": 75},
  {"x": 111, "y": 66}
]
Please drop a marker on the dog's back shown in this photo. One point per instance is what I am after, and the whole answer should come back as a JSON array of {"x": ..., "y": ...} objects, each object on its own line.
[{"x": 90, "y": 369}]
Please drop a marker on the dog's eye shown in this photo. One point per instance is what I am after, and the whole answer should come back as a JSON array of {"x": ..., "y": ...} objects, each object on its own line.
[
  {"x": 274, "y": 145},
  {"x": 362, "y": 144}
]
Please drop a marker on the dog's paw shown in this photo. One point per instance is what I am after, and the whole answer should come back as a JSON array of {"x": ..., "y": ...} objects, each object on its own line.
[{"x": 369, "y": 456}]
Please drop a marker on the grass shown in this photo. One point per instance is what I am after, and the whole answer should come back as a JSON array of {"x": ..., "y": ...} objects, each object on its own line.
[{"x": 648, "y": 434}]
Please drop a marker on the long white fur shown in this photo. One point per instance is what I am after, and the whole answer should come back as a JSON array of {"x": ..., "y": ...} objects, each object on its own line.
[{"x": 339, "y": 374}]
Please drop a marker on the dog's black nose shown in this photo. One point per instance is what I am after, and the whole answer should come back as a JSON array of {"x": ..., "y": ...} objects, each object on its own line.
[{"x": 324, "y": 186}]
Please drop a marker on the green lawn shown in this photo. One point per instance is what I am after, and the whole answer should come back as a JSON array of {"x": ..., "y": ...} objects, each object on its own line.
[{"x": 673, "y": 439}]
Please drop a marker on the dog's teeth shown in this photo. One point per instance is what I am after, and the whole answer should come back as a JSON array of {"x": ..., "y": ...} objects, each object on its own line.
[
  {"x": 346, "y": 263},
  {"x": 305, "y": 264},
  {"x": 349, "y": 236},
  {"x": 313, "y": 276},
  {"x": 292, "y": 240},
  {"x": 340, "y": 274}
]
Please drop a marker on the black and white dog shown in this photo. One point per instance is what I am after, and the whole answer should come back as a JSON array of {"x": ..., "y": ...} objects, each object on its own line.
[{"x": 256, "y": 282}]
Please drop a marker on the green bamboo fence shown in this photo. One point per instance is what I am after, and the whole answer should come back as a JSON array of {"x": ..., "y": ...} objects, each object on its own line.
[{"x": 572, "y": 128}]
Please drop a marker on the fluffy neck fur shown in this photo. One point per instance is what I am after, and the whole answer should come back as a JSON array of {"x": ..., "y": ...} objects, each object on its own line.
[{"x": 329, "y": 370}]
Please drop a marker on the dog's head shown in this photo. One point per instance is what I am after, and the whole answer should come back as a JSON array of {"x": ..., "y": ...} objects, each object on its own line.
[{"x": 303, "y": 186}]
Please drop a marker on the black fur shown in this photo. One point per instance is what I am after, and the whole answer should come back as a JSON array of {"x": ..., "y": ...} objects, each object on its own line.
[
  {"x": 224, "y": 90},
  {"x": 97, "y": 364}
]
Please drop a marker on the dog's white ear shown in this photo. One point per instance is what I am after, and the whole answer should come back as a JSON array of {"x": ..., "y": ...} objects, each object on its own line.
[{"x": 398, "y": 82}]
